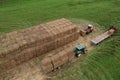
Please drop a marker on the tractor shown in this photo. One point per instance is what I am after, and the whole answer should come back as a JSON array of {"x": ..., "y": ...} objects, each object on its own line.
[
  {"x": 78, "y": 50},
  {"x": 86, "y": 31}
]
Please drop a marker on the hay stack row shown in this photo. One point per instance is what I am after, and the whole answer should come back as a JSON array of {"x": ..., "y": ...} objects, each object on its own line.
[
  {"x": 23, "y": 45},
  {"x": 50, "y": 63}
]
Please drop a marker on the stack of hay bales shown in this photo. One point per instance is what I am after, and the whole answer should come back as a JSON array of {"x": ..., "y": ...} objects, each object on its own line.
[
  {"x": 23, "y": 45},
  {"x": 52, "y": 62}
]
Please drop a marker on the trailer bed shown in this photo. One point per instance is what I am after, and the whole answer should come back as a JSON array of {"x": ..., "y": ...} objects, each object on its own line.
[{"x": 100, "y": 38}]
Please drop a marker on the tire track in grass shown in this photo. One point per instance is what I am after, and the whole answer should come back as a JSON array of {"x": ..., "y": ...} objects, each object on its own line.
[
  {"x": 91, "y": 74},
  {"x": 101, "y": 69}
]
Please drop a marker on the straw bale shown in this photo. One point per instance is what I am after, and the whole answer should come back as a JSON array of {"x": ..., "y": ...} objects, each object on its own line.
[
  {"x": 29, "y": 53},
  {"x": 71, "y": 37},
  {"x": 2, "y": 67},
  {"x": 46, "y": 65},
  {"x": 60, "y": 33},
  {"x": 12, "y": 63},
  {"x": 50, "y": 46},
  {"x": 17, "y": 59},
  {"x": 8, "y": 64},
  {"x": 64, "y": 57},
  {"x": 21, "y": 58},
  {"x": 13, "y": 48},
  {"x": 39, "y": 50},
  {"x": 70, "y": 54},
  {"x": 28, "y": 43},
  {"x": 32, "y": 42},
  {"x": 56, "y": 60},
  {"x": 62, "y": 41},
  {"x": 62, "y": 29},
  {"x": 58, "y": 43},
  {"x": 42, "y": 49},
  {"x": 45, "y": 48},
  {"x": 48, "y": 38},
  {"x": 23, "y": 44},
  {"x": 3, "y": 52}
]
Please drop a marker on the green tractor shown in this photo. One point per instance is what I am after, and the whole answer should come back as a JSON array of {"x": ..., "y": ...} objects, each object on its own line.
[{"x": 78, "y": 50}]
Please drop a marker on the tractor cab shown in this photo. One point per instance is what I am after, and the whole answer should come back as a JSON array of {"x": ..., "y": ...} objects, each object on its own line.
[{"x": 78, "y": 50}]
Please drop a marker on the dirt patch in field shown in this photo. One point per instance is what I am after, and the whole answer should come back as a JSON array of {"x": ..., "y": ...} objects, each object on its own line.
[{"x": 31, "y": 70}]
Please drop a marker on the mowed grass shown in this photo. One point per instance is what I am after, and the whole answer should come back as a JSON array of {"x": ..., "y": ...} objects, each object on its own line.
[{"x": 102, "y": 63}]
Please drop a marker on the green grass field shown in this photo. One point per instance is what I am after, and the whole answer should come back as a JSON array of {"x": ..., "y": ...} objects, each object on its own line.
[{"x": 102, "y": 63}]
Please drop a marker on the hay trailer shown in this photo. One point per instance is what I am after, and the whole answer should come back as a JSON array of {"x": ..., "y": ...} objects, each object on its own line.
[{"x": 104, "y": 36}]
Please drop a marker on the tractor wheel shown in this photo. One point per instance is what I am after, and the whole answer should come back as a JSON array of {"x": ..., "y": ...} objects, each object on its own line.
[
  {"x": 79, "y": 55},
  {"x": 85, "y": 51}
]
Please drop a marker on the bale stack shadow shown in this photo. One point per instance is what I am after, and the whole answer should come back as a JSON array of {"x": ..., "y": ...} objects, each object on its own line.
[{"x": 23, "y": 45}]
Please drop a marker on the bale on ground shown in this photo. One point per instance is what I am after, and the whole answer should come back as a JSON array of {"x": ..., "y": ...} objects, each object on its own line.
[
  {"x": 23, "y": 45},
  {"x": 64, "y": 57},
  {"x": 56, "y": 60},
  {"x": 70, "y": 54},
  {"x": 46, "y": 65},
  {"x": 29, "y": 53}
]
